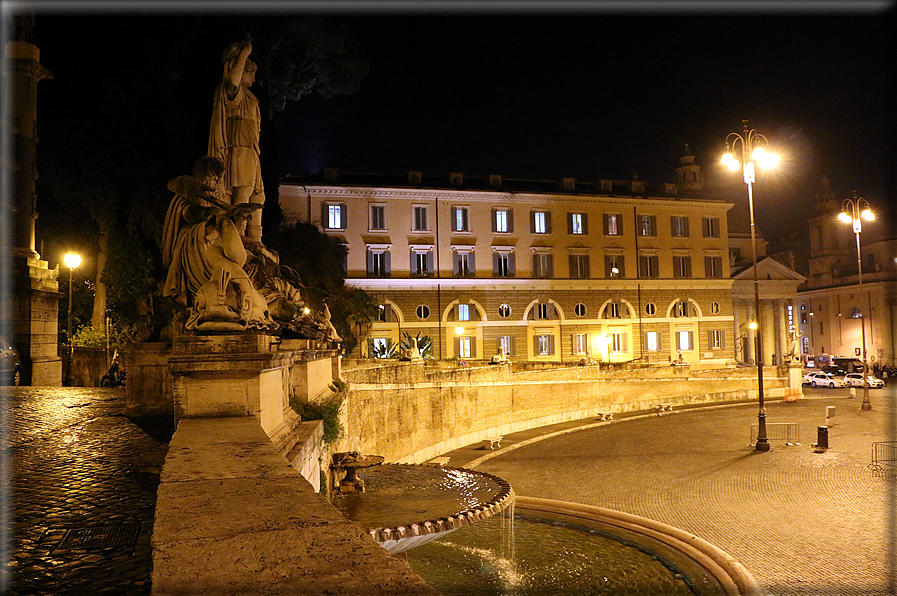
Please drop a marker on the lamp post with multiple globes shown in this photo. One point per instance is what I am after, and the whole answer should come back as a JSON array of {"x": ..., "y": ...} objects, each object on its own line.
[
  {"x": 72, "y": 260},
  {"x": 854, "y": 211},
  {"x": 752, "y": 150}
]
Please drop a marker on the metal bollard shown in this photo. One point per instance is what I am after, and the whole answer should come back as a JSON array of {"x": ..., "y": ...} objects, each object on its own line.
[{"x": 822, "y": 438}]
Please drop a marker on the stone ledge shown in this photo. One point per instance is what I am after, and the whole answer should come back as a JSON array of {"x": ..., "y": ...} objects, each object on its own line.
[{"x": 232, "y": 517}]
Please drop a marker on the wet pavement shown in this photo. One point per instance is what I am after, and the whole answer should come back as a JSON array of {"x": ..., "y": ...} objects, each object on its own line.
[
  {"x": 801, "y": 522},
  {"x": 79, "y": 492}
]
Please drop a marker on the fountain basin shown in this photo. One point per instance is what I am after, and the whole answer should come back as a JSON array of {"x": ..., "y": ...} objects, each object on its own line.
[{"x": 406, "y": 505}]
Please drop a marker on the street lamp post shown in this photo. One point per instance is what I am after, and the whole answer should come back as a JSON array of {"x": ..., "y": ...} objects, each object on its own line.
[
  {"x": 855, "y": 211},
  {"x": 751, "y": 150},
  {"x": 72, "y": 260}
]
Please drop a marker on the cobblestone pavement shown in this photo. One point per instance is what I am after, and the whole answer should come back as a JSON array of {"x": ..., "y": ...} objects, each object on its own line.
[
  {"x": 79, "y": 485},
  {"x": 802, "y": 522}
]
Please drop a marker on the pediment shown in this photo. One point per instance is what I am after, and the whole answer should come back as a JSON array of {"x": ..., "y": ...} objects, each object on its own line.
[{"x": 769, "y": 268}]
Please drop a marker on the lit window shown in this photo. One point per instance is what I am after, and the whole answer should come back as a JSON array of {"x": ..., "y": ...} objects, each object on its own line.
[
  {"x": 464, "y": 344},
  {"x": 504, "y": 310},
  {"x": 613, "y": 224},
  {"x": 334, "y": 216},
  {"x": 541, "y": 222},
  {"x": 502, "y": 220},
  {"x": 684, "y": 341},
  {"x": 463, "y": 312},
  {"x": 613, "y": 266},
  {"x": 682, "y": 309},
  {"x": 378, "y": 263},
  {"x": 716, "y": 339},
  {"x": 459, "y": 219},
  {"x": 647, "y": 225},
  {"x": 613, "y": 310},
  {"x": 506, "y": 345},
  {"x": 577, "y": 223},
  {"x": 545, "y": 345},
  {"x": 652, "y": 341},
  {"x": 617, "y": 342},
  {"x": 580, "y": 343}
]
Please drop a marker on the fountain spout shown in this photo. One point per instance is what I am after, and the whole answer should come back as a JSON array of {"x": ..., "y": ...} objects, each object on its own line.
[{"x": 350, "y": 462}]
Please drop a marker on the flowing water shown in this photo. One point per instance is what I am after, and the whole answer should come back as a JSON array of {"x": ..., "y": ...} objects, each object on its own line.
[{"x": 556, "y": 556}]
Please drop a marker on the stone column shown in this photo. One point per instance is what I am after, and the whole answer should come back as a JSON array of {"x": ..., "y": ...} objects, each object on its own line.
[
  {"x": 781, "y": 331},
  {"x": 33, "y": 303}
]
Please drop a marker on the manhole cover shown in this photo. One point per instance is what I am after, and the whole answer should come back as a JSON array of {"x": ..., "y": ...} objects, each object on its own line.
[{"x": 99, "y": 537}]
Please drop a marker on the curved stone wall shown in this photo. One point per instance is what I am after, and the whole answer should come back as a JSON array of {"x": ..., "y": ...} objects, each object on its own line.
[{"x": 412, "y": 413}]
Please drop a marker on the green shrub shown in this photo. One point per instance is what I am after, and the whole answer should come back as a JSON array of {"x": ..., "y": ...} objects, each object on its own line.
[
  {"x": 91, "y": 337},
  {"x": 327, "y": 410}
]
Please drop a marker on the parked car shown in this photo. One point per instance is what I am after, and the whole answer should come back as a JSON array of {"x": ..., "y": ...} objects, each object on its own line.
[
  {"x": 856, "y": 380},
  {"x": 10, "y": 364},
  {"x": 824, "y": 379}
]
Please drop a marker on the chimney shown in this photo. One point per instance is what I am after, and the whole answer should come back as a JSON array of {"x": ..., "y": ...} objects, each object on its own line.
[
  {"x": 495, "y": 180},
  {"x": 456, "y": 178},
  {"x": 414, "y": 178},
  {"x": 330, "y": 174},
  {"x": 568, "y": 183}
]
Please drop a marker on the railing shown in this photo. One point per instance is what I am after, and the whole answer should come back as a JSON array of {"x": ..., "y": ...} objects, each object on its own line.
[
  {"x": 884, "y": 453},
  {"x": 779, "y": 431}
]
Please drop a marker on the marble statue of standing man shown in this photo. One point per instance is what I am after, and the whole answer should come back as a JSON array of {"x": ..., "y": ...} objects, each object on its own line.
[{"x": 234, "y": 133}]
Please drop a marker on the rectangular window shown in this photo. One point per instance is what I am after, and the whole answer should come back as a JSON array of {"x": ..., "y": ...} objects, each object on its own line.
[
  {"x": 617, "y": 342},
  {"x": 334, "y": 216},
  {"x": 463, "y": 264},
  {"x": 543, "y": 310},
  {"x": 459, "y": 219},
  {"x": 614, "y": 310},
  {"x": 506, "y": 345},
  {"x": 464, "y": 350},
  {"x": 580, "y": 343},
  {"x": 613, "y": 224},
  {"x": 541, "y": 222},
  {"x": 384, "y": 312},
  {"x": 684, "y": 341},
  {"x": 821, "y": 328},
  {"x": 422, "y": 263},
  {"x": 647, "y": 225},
  {"x": 679, "y": 226},
  {"x": 378, "y": 263},
  {"x": 648, "y": 266},
  {"x": 543, "y": 265},
  {"x": 682, "y": 309},
  {"x": 502, "y": 220},
  {"x": 711, "y": 227},
  {"x": 652, "y": 341},
  {"x": 713, "y": 266},
  {"x": 463, "y": 312},
  {"x": 716, "y": 339},
  {"x": 579, "y": 266},
  {"x": 378, "y": 217},
  {"x": 420, "y": 218},
  {"x": 503, "y": 264},
  {"x": 613, "y": 266},
  {"x": 681, "y": 266},
  {"x": 545, "y": 345},
  {"x": 577, "y": 223},
  {"x": 381, "y": 344},
  {"x": 805, "y": 345}
]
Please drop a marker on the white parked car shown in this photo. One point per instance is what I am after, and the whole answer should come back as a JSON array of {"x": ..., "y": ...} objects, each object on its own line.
[
  {"x": 856, "y": 380},
  {"x": 824, "y": 379}
]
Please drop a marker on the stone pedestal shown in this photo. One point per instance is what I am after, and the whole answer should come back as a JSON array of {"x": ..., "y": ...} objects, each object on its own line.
[
  {"x": 795, "y": 381},
  {"x": 149, "y": 386}
]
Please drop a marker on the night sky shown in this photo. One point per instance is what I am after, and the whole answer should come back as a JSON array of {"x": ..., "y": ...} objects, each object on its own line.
[{"x": 586, "y": 94}]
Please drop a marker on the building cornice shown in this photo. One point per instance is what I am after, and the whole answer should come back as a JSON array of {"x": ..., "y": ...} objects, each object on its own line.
[{"x": 539, "y": 285}]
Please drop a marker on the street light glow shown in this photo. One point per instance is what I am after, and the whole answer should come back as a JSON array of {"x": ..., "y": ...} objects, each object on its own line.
[
  {"x": 844, "y": 217},
  {"x": 867, "y": 215},
  {"x": 72, "y": 260},
  {"x": 459, "y": 330}
]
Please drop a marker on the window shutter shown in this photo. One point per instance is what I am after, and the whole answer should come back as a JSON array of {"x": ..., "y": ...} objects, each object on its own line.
[
  {"x": 495, "y": 263},
  {"x": 551, "y": 345},
  {"x": 387, "y": 266},
  {"x": 512, "y": 265},
  {"x": 464, "y": 220},
  {"x": 653, "y": 225},
  {"x": 552, "y": 313},
  {"x": 548, "y": 222},
  {"x": 678, "y": 341},
  {"x": 472, "y": 264},
  {"x": 536, "y": 270},
  {"x": 473, "y": 347},
  {"x": 550, "y": 266},
  {"x": 494, "y": 221},
  {"x": 685, "y": 226},
  {"x": 415, "y": 270},
  {"x": 370, "y": 263},
  {"x": 708, "y": 267},
  {"x": 430, "y": 270},
  {"x": 722, "y": 339},
  {"x": 585, "y": 266},
  {"x": 573, "y": 272},
  {"x": 673, "y": 231},
  {"x": 569, "y": 223},
  {"x": 324, "y": 220},
  {"x": 457, "y": 344},
  {"x": 607, "y": 265},
  {"x": 513, "y": 343},
  {"x": 573, "y": 343},
  {"x": 455, "y": 263},
  {"x": 606, "y": 224},
  {"x": 454, "y": 216},
  {"x": 510, "y": 220},
  {"x": 709, "y": 339},
  {"x": 585, "y": 223},
  {"x": 532, "y": 222}
]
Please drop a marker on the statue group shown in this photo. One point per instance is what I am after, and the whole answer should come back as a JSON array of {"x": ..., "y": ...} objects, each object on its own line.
[{"x": 220, "y": 276}]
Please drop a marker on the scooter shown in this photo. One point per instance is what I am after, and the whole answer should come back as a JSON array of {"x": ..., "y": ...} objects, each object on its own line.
[{"x": 115, "y": 377}]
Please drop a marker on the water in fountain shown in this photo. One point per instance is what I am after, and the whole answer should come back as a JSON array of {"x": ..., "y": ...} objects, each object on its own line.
[
  {"x": 555, "y": 556},
  {"x": 405, "y": 505}
]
